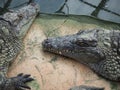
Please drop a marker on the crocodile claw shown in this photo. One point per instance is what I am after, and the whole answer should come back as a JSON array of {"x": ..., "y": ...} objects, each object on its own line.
[{"x": 20, "y": 80}]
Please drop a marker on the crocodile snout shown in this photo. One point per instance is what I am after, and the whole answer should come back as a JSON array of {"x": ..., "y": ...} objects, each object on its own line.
[{"x": 46, "y": 44}]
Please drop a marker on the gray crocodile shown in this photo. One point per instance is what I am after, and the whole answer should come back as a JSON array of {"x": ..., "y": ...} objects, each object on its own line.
[
  {"x": 98, "y": 49},
  {"x": 13, "y": 26}
]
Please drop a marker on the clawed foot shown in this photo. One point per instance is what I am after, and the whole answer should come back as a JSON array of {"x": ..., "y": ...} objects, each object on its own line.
[{"x": 20, "y": 80}]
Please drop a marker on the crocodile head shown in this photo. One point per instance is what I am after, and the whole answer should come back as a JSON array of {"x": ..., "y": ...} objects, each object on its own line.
[
  {"x": 81, "y": 46},
  {"x": 22, "y": 18}
]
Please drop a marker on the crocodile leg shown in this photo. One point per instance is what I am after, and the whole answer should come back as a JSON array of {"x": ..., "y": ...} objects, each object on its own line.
[{"x": 15, "y": 83}]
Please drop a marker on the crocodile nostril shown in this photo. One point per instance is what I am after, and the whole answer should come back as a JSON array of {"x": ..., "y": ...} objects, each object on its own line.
[{"x": 46, "y": 43}]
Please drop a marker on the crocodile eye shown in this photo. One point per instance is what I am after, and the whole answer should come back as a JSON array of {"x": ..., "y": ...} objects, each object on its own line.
[{"x": 86, "y": 43}]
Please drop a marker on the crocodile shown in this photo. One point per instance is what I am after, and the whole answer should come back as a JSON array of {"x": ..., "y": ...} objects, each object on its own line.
[
  {"x": 13, "y": 26},
  {"x": 98, "y": 49}
]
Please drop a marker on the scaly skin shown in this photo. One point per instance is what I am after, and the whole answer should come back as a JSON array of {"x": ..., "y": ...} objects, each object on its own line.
[
  {"x": 99, "y": 49},
  {"x": 12, "y": 29}
]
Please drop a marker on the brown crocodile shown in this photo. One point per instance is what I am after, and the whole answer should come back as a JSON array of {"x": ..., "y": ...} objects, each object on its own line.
[
  {"x": 98, "y": 49},
  {"x": 12, "y": 30}
]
